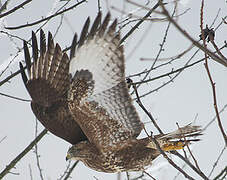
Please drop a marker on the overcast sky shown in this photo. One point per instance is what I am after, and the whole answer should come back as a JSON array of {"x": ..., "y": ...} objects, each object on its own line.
[{"x": 187, "y": 99}]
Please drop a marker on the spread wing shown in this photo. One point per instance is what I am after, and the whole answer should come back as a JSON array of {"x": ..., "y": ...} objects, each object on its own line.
[
  {"x": 98, "y": 89},
  {"x": 47, "y": 83}
]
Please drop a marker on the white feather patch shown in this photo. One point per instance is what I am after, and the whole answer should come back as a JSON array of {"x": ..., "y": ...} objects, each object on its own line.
[{"x": 95, "y": 56}]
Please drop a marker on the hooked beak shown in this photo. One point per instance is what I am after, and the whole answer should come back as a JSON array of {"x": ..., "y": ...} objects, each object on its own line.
[{"x": 67, "y": 157}]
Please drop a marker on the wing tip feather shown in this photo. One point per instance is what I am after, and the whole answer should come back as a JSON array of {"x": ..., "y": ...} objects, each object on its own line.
[
  {"x": 23, "y": 74},
  {"x": 84, "y": 32},
  {"x": 73, "y": 46},
  {"x": 42, "y": 42}
]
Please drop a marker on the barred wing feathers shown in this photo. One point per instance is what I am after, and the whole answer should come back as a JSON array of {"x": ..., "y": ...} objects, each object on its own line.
[
  {"x": 47, "y": 83},
  {"x": 98, "y": 63}
]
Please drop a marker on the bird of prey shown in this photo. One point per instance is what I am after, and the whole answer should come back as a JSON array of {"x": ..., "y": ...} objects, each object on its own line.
[{"x": 83, "y": 98}]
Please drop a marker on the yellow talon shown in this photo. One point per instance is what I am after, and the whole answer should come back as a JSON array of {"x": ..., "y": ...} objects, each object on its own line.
[{"x": 173, "y": 146}]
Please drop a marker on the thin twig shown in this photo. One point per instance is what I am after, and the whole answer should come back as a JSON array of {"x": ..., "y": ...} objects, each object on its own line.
[
  {"x": 10, "y": 77},
  {"x": 216, "y": 17},
  {"x": 204, "y": 49},
  {"x": 174, "y": 58},
  {"x": 200, "y": 173},
  {"x": 70, "y": 170},
  {"x": 222, "y": 21},
  {"x": 139, "y": 23},
  {"x": 130, "y": 15},
  {"x": 154, "y": 140},
  {"x": 4, "y": 70},
  {"x": 13, "y": 97},
  {"x": 190, "y": 152},
  {"x": 59, "y": 26},
  {"x": 210, "y": 78},
  {"x": 160, "y": 50},
  {"x": 216, "y": 162},
  {"x": 30, "y": 171},
  {"x": 139, "y": 42},
  {"x": 178, "y": 56},
  {"x": 15, "y": 8},
  {"x": 36, "y": 152},
  {"x": 178, "y": 173},
  {"x": 47, "y": 18},
  {"x": 149, "y": 175},
  {"x": 62, "y": 7},
  {"x": 224, "y": 171},
  {"x": 214, "y": 118},
  {"x": 169, "y": 73},
  {"x": 218, "y": 51},
  {"x": 170, "y": 161},
  {"x": 11, "y": 35},
  {"x": 66, "y": 171},
  {"x": 162, "y": 43},
  {"x": 173, "y": 152},
  {"x": 22, "y": 154},
  {"x": 3, "y": 139},
  {"x": 171, "y": 78},
  {"x": 127, "y": 175},
  {"x": 4, "y": 6},
  {"x": 138, "y": 178},
  {"x": 145, "y": 110}
]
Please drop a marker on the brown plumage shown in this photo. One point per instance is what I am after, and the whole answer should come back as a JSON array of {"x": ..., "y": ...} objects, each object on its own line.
[
  {"x": 136, "y": 155},
  {"x": 47, "y": 83},
  {"x": 84, "y": 99}
]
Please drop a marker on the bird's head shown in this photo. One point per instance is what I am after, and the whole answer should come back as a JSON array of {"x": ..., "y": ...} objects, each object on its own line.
[{"x": 79, "y": 151}]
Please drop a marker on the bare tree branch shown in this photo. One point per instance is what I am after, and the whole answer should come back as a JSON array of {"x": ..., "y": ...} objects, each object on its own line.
[
  {"x": 22, "y": 154},
  {"x": 36, "y": 152},
  {"x": 173, "y": 152},
  {"x": 13, "y": 97},
  {"x": 47, "y": 18},
  {"x": 140, "y": 22},
  {"x": 70, "y": 170},
  {"x": 210, "y": 77},
  {"x": 223, "y": 172},
  {"x": 14, "y": 9},
  {"x": 204, "y": 49},
  {"x": 216, "y": 162}
]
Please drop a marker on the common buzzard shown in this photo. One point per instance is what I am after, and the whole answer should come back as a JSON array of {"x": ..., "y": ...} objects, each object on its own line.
[{"x": 84, "y": 99}]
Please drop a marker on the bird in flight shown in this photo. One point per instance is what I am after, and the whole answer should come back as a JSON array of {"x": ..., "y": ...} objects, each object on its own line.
[{"x": 83, "y": 98}]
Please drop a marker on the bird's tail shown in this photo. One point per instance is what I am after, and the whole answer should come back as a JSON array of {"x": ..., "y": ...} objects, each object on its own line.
[{"x": 178, "y": 139}]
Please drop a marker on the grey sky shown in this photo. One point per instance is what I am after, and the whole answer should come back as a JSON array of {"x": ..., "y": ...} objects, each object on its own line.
[{"x": 190, "y": 94}]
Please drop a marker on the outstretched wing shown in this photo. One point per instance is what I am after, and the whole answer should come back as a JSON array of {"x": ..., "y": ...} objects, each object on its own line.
[
  {"x": 48, "y": 85},
  {"x": 98, "y": 89}
]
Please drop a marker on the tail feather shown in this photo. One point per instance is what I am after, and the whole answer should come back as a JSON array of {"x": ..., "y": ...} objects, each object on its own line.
[
  {"x": 167, "y": 143},
  {"x": 186, "y": 131},
  {"x": 176, "y": 145}
]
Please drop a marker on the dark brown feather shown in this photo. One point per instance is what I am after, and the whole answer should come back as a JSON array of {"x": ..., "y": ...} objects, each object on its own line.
[
  {"x": 58, "y": 120},
  {"x": 112, "y": 28},
  {"x": 104, "y": 25},
  {"x": 35, "y": 51},
  {"x": 42, "y": 43},
  {"x": 95, "y": 25},
  {"x": 27, "y": 58},
  {"x": 23, "y": 75},
  {"x": 73, "y": 46},
  {"x": 47, "y": 85},
  {"x": 83, "y": 35}
]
